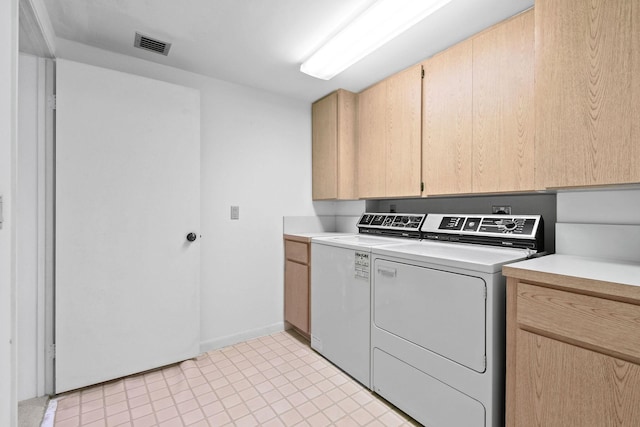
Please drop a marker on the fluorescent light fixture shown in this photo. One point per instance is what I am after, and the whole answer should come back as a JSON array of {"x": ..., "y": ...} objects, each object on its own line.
[{"x": 381, "y": 22}]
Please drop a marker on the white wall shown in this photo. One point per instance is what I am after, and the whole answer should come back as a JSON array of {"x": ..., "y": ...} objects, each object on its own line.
[
  {"x": 8, "y": 83},
  {"x": 256, "y": 154},
  {"x": 27, "y": 263}
]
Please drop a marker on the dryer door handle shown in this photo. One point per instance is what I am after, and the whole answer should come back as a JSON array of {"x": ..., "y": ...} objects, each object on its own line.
[{"x": 388, "y": 272}]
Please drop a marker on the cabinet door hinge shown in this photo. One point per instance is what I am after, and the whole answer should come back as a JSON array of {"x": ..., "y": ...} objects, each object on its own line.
[
  {"x": 51, "y": 353},
  {"x": 422, "y": 73},
  {"x": 421, "y": 187},
  {"x": 52, "y": 102},
  {"x": 484, "y": 292}
]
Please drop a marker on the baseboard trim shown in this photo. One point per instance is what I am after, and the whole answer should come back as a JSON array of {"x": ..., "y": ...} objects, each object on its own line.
[{"x": 243, "y": 336}]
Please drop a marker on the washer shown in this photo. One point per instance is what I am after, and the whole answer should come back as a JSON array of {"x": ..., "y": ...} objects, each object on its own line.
[
  {"x": 438, "y": 317},
  {"x": 341, "y": 289}
]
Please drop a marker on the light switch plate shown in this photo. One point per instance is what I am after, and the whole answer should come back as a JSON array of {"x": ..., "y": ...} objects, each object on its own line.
[{"x": 235, "y": 212}]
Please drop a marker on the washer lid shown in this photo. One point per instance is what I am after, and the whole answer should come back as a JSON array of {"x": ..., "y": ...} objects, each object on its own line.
[{"x": 357, "y": 241}]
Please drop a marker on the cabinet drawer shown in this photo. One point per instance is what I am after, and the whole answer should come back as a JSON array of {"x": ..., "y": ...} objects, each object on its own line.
[
  {"x": 610, "y": 327},
  {"x": 296, "y": 251}
]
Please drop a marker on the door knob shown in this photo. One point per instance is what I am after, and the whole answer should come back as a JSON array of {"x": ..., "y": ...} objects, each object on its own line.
[{"x": 191, "y": 237}]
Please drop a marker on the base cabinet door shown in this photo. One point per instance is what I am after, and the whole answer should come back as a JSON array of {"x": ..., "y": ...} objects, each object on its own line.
[
  {"x": 296, "y": 295},
  {"x": 568, "y": 386}
]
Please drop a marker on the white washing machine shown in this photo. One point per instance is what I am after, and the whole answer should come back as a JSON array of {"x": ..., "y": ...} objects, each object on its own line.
[
  {"x": 341, "y": 289},
  {"x": 438, "y": 317}
]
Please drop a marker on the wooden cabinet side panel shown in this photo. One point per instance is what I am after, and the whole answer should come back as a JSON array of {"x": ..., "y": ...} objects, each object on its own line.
[
  {"x": 511, "y": 349},
  {"x": 562, "y": 385},
  {"x": 447, "y": 121},
  {"x": 583, "y": 92},
  {"x": 347, "y": 154},
  {"x": 324, "y": 123},
  {"x": 296, "y": 295},
  {"x": 403, "y": 133},
  {"x": 371, "y": 141},
  {"x": 635, "y": 92},
  {"x": 503, "y": 111}
]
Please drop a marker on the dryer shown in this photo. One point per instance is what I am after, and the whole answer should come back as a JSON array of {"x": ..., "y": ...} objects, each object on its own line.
[{"x": 438, "y": 317}]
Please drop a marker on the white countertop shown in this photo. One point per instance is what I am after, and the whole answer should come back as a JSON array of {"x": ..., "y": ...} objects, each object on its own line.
[
  {"x": 600, "y": 270},
  {"x": 308, "y": 236}
]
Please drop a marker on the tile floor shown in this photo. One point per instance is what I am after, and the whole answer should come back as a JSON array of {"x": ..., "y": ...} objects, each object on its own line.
[{"x": 275, "y": 380}]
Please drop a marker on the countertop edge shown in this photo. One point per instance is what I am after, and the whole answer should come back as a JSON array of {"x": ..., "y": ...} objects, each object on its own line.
[{"x": 577, "y": 275}]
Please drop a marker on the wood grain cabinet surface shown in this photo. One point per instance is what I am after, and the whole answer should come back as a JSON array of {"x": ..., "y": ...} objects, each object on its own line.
[
  {"x": 334, "y": 146},
  {"x": 447, "y": 121},
  {"x": 573, "y": 355},
  {"x": 477, "y": 117},
  {"x": 503, "y": 110},
  {"x": 297, "y": 282},
  {"x": 389, "y": 136},
  {"x": 587, "y": 92}
]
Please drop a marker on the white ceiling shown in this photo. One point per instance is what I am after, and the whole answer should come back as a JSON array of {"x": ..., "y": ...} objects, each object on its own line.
[{"x": 261, "y": 43}]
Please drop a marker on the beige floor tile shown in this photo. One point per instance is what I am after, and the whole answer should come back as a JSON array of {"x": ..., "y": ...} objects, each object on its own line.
[{"x": 270, "y": 381}]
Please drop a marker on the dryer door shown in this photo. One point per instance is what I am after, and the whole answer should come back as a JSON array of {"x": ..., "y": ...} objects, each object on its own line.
[{"x": 441, "y": 311}]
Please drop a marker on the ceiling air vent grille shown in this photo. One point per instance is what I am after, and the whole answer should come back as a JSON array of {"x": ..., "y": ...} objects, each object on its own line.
[{"x": 148, "y": 43}]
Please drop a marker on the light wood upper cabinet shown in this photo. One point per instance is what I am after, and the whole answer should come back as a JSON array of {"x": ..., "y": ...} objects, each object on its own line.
[
  {"x": 587, "y": 92},
  {"x": 447, "y": 121},
  {"x": 334, "y": 146},
  {"x": 372, "y": 141},
  {"x": 389, "y": 136},
  {"x": 503, "y": 110}
]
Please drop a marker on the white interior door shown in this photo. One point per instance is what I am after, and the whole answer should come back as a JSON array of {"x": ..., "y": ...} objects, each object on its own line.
[{"x": 127, "y": 195}]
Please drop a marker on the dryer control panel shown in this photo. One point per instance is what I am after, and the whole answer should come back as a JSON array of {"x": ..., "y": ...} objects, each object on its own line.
[{"x": 522, "y": 231}]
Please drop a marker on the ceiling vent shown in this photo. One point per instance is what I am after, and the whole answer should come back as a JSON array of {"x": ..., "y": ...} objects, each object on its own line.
[{"x": 153, "y": 45}]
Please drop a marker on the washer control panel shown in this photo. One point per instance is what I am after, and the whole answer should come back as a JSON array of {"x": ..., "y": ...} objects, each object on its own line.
[{"x": 398, "y": 224}]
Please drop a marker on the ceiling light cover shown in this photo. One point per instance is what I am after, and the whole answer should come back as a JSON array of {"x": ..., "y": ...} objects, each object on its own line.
[{"x": 381, "y": 22}]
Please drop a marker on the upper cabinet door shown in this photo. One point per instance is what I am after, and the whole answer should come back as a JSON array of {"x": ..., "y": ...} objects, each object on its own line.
[
  {"x": 404, "y": 136},
  {"x": 587, "y": 92},
  {"x": 503, "y": 112},
  {"x": 324, "y": 123},
  {"x": 447, "y": 121},
  {"x": 334, "y": 156},
  {"x": 389, "y": 136},
  {"x": 372, "y": 141}
]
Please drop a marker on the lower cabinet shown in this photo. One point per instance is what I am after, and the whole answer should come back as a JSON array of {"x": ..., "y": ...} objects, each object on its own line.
[
  {"x": 296, "y": 283},
  {"x": 573, "y": 359}
]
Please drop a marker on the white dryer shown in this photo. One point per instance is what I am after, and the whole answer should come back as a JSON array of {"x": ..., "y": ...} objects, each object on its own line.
[
  {"x": 438, "y": 317},
  {"x": 341, "y": 289}
]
